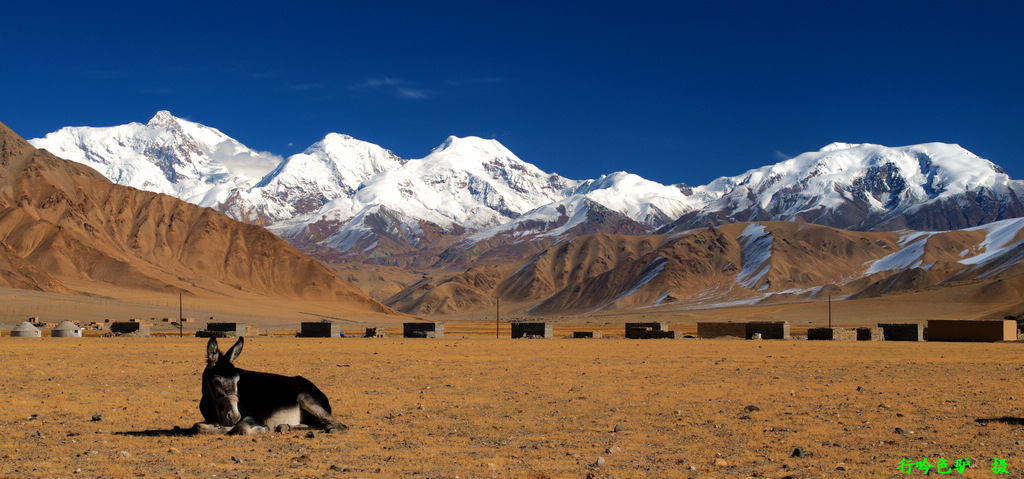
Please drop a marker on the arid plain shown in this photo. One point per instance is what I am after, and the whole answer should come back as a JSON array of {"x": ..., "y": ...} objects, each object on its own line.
[{"x": 470, "y": 405}]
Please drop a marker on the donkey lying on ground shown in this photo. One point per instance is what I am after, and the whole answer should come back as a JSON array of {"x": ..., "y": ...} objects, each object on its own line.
[{"x": 237, "y": 401}]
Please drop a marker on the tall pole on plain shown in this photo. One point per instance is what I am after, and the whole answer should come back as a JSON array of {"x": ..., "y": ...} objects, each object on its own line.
[
  {"x": 180, "y": 316},
  {"x": 830, "y": 311},
  {"x": 497, "y": 315}
]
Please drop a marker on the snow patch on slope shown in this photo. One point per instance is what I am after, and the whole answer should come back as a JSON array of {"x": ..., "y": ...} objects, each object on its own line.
[
  {"x": 650, "y": 272},
  {"x": 907, "y": 257},
  {"x": 756, "y": 247},
  {"x": 998, "y": 239}
]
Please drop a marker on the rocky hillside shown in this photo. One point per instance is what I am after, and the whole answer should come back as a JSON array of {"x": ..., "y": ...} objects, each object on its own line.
[{"x": 62, "y": 222}]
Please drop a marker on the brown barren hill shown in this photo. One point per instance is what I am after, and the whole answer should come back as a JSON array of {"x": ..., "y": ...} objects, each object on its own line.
[
  {"x": 739, "y": 263},
  {"x": 63, "y": 222}
]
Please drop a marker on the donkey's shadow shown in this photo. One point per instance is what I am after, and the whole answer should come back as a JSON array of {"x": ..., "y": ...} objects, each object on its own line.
[
  {"x": 175, "y": 432},
  {"x": 1013, "y": 421}
]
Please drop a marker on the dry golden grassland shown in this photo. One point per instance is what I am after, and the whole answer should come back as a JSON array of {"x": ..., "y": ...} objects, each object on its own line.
[{"x": 480, "y": 407}]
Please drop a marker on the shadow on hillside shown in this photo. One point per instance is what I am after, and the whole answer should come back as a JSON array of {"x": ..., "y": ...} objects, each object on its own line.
[
  {"x": 176, "y": 431},
  {"x": 1013, "y": 421}
]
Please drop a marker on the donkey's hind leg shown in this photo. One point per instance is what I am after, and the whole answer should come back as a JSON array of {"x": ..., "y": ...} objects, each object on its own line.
[{"x": 313, "y": 408}]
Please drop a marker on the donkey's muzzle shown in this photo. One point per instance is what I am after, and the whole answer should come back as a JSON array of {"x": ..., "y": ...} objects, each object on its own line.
[{"x": 228, "y": 406}]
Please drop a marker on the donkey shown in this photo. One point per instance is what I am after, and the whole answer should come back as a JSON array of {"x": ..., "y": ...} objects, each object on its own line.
[{"x": 236, "y": 401}]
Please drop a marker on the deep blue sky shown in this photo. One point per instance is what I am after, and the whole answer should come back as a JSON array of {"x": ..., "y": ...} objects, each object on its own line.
[{"x": 674, "y": 91}]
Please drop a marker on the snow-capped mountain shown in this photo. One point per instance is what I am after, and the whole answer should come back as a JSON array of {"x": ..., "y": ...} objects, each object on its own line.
[
  {"x": 334, "y": 167},
  {"x": 470, "y": 195},
  {"x": 465, "y": 184},
  {"x": 470, "y": 182},
  {"x": 934, "y": 186},
  {"x": 619, "y": 203},
  {"x": 166, "y": 155}
]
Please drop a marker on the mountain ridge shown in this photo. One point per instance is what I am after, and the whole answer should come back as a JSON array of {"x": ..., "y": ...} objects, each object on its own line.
[
  {"x": 474, "y": 212},
  {"x": 62, "y": 221}
]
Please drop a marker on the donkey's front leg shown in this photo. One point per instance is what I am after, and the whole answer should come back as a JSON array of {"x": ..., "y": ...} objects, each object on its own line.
[
  {"x": 208, "y": 428},
  {"x": 248, "y": 426}
]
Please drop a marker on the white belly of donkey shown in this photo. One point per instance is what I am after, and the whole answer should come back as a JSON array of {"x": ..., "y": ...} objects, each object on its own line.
[{"x": 290, "y": 416}]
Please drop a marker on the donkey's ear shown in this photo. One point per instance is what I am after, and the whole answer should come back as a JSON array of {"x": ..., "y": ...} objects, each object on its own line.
[
  {"x": 235, "y": 350},
  {"x": 212, "y": 351}
]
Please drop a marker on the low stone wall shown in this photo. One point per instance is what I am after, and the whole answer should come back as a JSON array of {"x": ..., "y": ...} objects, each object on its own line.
[
  {"x": 227, "y": 330},
  {"x": 636, "y": 330},
  {"x": 972, "y": 330},
  {"x": 532, "y": 330},
  {"x": 721, "y": 330},
  {"x": 902, "y": 331},
  {"x": 129, "y": 327},
  {"x": 768, "y": 329},
  {"x": 587, "y": 334},
  {"x": 869, "y": 334},
  {"x": 423, "y": 330},
  {"x": 832, "y": 334},
  {"x": 319, "y": 329}
]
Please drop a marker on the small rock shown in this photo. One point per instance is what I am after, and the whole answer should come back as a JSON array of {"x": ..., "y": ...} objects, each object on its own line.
[
  {"x": 97, "y": 417},
  {"x": 1020, "y": 443},
  {"x": 125, "y": 454},
  {"x": 336, "y": 468},
  {"x": 236, "y": 459},
  {"x": 613, "y": 450},
  {"x": 600, "y": 461},
  {"x": 173, "y": 450},
  {"x": 861, "y": 389},
  {"x": 900, "y": 431},
  {"x": 751, "y": 408},
  {"x": 310, "y": 434},
  {"x": 618, "y": 428},
  {"x": 798, "y": 452},
  {"x": 720, "y": 462}
]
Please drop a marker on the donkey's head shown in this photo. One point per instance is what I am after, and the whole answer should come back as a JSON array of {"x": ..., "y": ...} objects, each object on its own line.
[{"x": 220, "y": 379}]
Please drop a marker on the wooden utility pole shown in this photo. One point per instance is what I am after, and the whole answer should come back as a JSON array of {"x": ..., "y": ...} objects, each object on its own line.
[
  {"x": 497, "y": 315},
  {"x": 830, "y": 311},
  {"x": 180, "y": 317}
]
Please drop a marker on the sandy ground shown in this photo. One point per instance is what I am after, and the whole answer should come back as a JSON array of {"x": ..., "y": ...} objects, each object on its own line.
[{"x": 481, "y": 407}]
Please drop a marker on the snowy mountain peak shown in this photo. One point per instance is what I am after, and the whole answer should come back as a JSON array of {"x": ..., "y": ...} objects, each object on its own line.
[
  {"x": 836, "y": 146},
  {"x": 865, "y": 186},
  {"x": 167, "y": 155},
  {"x": 162, "y": 118},
  {"x": 472, "y": 145}
]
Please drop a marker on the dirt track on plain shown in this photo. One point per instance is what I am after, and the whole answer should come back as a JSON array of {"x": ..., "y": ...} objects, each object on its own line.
[{"x": 522, "y": 408}]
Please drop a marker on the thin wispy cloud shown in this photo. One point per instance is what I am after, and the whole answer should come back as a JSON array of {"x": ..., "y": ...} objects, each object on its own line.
[
  {"x": 413, "y": 94},
  {"x": 376, "y": 83},
  {"x": 400, "y": 88}
]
